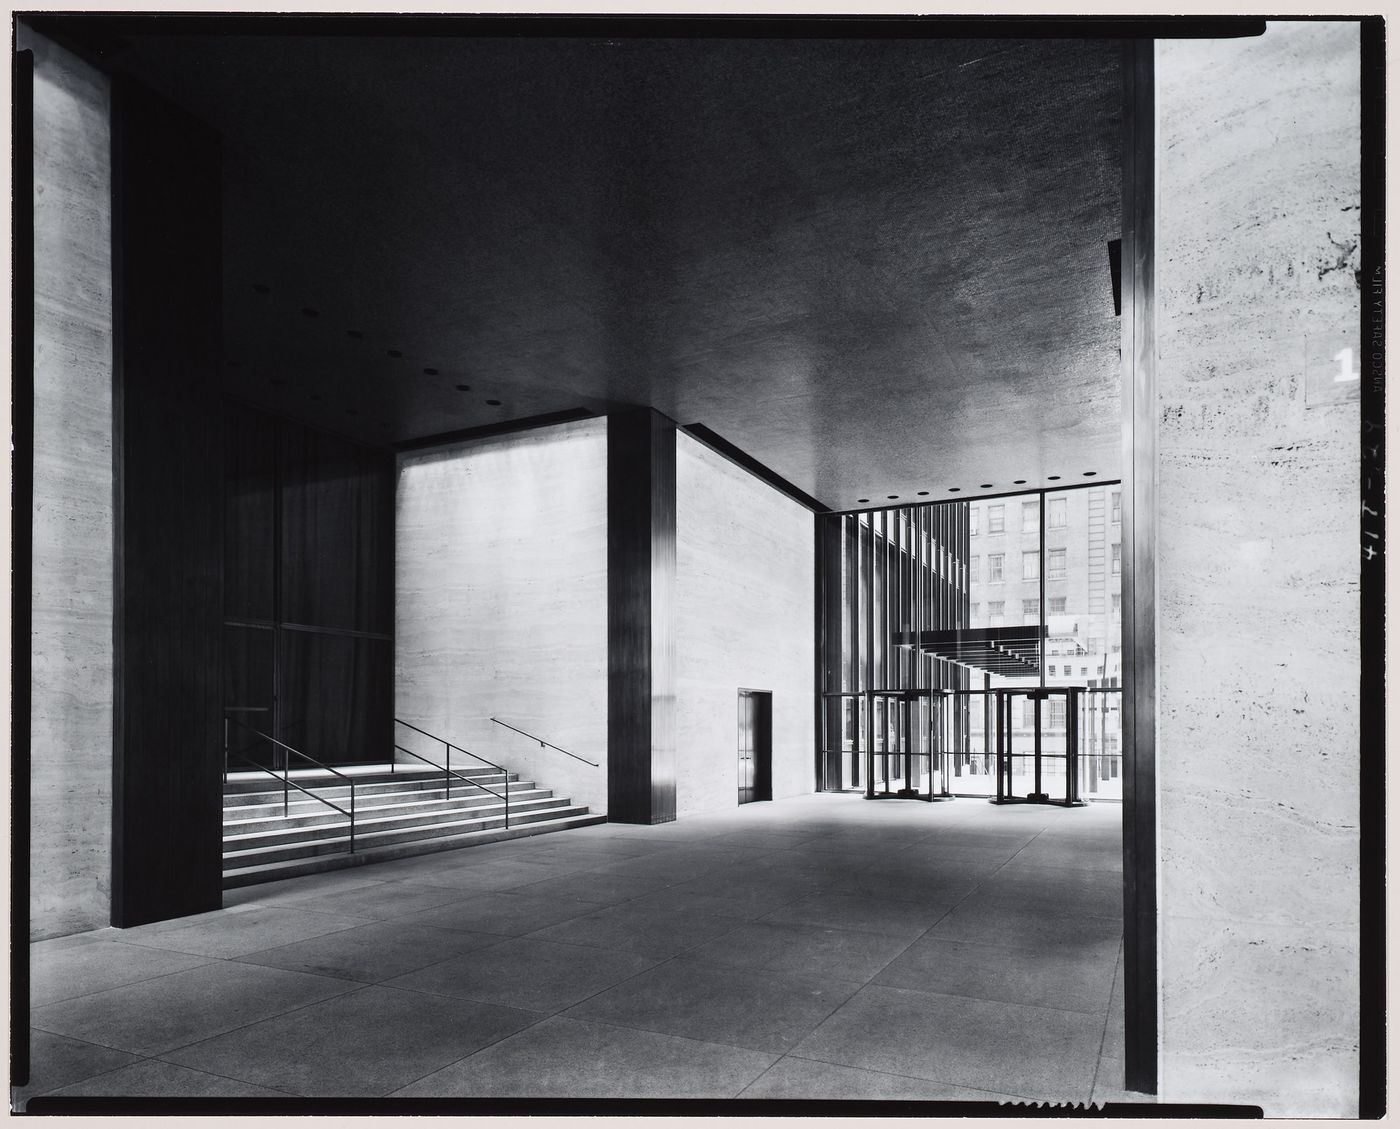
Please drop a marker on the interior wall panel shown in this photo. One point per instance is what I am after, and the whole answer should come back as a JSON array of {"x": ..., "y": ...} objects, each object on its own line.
[
  {"x": 1258, "y": 581},
  {"x": 501, "y": 602},
  {"x": 745, "y": 576}
]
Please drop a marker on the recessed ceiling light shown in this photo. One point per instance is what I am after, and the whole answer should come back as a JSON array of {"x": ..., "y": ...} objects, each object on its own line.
[
  {"x": 394, "y": 353},
  {"x": 1019, "y": 482},
  {"x": 1090, "y": 473},
  {"x": 954, "y": 489},
  {"x": 985, "y": 486},
  {"x": 262, "y": 288},
  {"x": 308, "y": 312},
  {"x": 465, "y": 388},
  {"x": 494, "y": 403},
  {"x": 1053, "y": 478},
  {"x": 892, "y": 497},
  {"x": 430, "y": 372},
  {"x": 923, "y": 493},
  {"x": 862, "y": 499}
]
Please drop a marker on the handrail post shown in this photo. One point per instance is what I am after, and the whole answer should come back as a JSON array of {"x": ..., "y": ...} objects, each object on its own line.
[
  {"x": 352, "y": 816},
  {"x": 505, "y": 791},
  {"x": 286, "y": 776},
  {"x": 225, "y": 749}
]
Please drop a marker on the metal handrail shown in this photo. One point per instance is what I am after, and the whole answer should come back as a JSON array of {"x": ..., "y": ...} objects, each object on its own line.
[
  {"x": 545, "y": 744},
  {"x": 466, "y": 779},
  {"x": 287, "y": 781},
  {"x": 448, "y": 744}
]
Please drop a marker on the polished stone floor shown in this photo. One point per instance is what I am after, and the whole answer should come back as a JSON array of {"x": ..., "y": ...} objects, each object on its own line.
[{"x": 818, "y": 947}]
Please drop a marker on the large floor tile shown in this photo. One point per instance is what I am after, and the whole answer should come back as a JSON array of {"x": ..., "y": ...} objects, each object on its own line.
[
  {"x": 1038, "y": 1052},
  {"x": 1014, "y": 923},
  {"x": 500, "y": 874},
  {"x": 56, "y": 1060},
  {"x": 245, "y": 929},
  {"x": 524, "y": 973},
  {"x": 735, "y": 905},
  {"x": 764, "y": 1011},
  {"x": 857, "y": 911},
  {"x": 362, "y": 1044},
  {"x": 152, "y": 1078},
  {"x": 183, "y": 1007},
  {"x": 63, "y": 974},
  {"x": 846, "y": 954},
  {"x": 572, "y": 1058},
  {"x": 373, "y": 952},
  {"x": 632, "y": 929},
  {"x": 592, "y": 886},
  {"x": 1071, "y": 855},
  {"x": 1069, "y": 977},
  {"x": 384, "y": 901},
  {"x": 290, "y": 890},
  {"x": 806, "y": 1079},
  {"x": 509, "y": 914}
]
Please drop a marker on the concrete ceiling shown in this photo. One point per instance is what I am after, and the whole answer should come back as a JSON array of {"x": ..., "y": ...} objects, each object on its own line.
[{"x": 879, "y": 267}]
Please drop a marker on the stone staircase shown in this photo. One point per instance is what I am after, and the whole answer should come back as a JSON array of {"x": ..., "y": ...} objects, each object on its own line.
[{"x": 406, "y": 811}]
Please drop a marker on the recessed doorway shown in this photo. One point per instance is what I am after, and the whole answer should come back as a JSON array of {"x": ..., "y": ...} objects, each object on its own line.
[{"x": 755, "y": 745}]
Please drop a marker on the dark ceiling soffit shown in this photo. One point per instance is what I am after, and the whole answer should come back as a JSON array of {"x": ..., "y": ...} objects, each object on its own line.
[
  {"x": 105, "y": 34},
  {"x": 722, "y": 446},
  {"x": 528, "y": 423}
]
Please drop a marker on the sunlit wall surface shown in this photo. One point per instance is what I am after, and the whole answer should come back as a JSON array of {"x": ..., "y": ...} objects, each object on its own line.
[{"x": 1044, "y": 563}]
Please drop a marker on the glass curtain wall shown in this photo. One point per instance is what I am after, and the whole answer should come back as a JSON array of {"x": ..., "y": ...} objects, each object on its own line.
[
  {"x": 1042, "y": 567},
  {"x": 888, "y": 574}
]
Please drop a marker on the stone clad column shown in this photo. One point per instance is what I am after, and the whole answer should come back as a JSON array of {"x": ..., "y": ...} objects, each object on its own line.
[{"x": 641, "y": 617}]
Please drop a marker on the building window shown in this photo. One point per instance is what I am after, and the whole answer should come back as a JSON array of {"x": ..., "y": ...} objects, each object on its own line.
[
  {"x": 1117, "y": 602},
  {"x": 1030, "y": 609},
  {"x": 972, "y": 569},
  {"x": 1027, "y": 714},
  {"x": 1056, "y": 517},
  {"x": 1117, "y": 559},
  {"x": 1030, "y": 517},
  {"x": 1030, "y": 566},
  {"x": 1057, "y": 564},
  {"x": 1117, "y": 507},
  {"x": 975, "y": 610},
  {"x": 972, "y": 520},
  {"x": 994, "y": 567},
  {"x": 1052, "y": 670},
  {"x": 1057, "y": 713},
  {"x": 995, "y": 612},
  {"x": 996, "y": 519},
  {"x": 1057, "y": 605}
]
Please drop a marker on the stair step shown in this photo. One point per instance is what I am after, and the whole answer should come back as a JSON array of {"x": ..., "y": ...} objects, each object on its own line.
[
  {"x": 309, "y": 813},
  {"x": 239, "y": 838},
  {"x": 368, "y": 839},
  {"x": 270, "y": 791},
  {"x": 255, "y": 873},
  {"x": 269, "y": 803},
  {"x": 247, "y": 780}
]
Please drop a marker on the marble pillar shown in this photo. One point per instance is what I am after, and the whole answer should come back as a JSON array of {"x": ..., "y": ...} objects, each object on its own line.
[
  {"x": 71, "y": 581},
  {"x": 1257, "y": 230}
]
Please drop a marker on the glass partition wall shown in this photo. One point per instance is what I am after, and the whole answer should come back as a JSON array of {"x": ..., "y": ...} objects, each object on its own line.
[{"x": 973, "y": 648}]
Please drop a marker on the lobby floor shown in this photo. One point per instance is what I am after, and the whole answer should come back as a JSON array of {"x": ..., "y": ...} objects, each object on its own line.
[{"x": 819, "y": 947}]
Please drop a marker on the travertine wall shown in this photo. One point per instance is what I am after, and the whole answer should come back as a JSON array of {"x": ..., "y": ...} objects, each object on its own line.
[
  {"x": 1257, "y": 159},
  {"x": 501, "y": 602},
  {"x": 745, "y": 566},
  {"x": 71, "y": 708}
]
